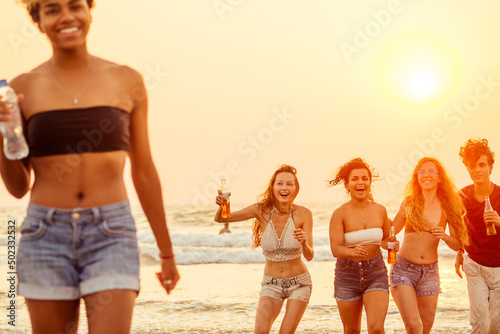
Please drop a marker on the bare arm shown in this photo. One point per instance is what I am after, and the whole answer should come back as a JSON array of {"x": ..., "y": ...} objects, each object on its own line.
[
  {"x": 451, "y": 240},
  {"x": 246, "y": 213},
  {"x": 147, "y": 184},
  {"x": 386, "y": 228},
  {"x": 15, "y": 173},
  {"x": 400, "y": 218},
  {"x": 305, "y": 235},
  {"x": 459, "y": 262}
]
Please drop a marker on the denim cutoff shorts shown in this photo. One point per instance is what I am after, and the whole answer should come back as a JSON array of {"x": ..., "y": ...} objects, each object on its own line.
[
  {"x": 424, "y": 278},
  {"x": 67, "y": 254},
  {"x": 298, "y": 287},
  {"x": 355, "y": 278}
]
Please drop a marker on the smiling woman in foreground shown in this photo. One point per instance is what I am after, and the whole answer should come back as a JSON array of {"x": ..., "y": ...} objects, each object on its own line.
[{"x": 85, "y": 116}]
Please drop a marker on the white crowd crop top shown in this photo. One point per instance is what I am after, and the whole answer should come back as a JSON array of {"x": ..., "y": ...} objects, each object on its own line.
[
  {"x": 280, "y": 249},
  {"x": 364, "y": 237}
]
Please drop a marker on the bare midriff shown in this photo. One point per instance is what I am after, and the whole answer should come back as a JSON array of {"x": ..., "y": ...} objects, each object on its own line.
[{"x": 79, "y": 180}]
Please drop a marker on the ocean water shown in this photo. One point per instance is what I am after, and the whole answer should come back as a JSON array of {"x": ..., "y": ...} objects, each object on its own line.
[{"x": 221, "y": 275}]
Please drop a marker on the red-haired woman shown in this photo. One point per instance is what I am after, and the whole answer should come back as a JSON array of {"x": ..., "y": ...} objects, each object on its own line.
[
  {"x": 432, "y": 202},
  {"x": 284, "y": 232},
  {"x": 358, "y": 229}
]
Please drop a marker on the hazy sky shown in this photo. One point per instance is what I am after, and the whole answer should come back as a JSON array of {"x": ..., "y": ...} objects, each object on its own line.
[{"x": 238, "y": 87}]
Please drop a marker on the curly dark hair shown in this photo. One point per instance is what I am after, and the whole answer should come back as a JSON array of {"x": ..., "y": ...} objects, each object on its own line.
[
  {"x": 344, "y": 171},
  {"x": 473, "y": 149},
  {"x": 33, "y": 8}
]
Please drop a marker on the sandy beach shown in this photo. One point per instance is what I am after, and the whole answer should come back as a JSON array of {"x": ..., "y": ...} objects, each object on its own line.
[
  {"x": 227, "y": 284},
  {"x": 220, "y": 283},
  {"x": 221, "y": 298}
]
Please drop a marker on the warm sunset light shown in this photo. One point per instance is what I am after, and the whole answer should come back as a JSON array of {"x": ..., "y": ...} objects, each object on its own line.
[
  {"x": 422, "y": 84},
  {"x": 417, "y": 70},
  {"x": 234, "y": 89}
]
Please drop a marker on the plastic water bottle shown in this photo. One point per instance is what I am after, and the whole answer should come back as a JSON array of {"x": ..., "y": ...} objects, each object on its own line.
[{"x": 14, "y": 143}]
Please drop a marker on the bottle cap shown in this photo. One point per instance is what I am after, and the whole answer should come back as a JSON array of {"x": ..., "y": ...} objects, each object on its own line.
[{"x": 3, "y": 83}]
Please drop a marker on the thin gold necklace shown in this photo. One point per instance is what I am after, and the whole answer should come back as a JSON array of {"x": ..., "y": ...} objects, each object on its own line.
[
  {"x": 364, "y": 219},
  {"x": 74, "y": 97}
]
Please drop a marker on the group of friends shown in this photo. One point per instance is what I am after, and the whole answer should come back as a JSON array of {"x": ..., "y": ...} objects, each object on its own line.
[
  {"x": 432, "y": 206},
  {"x": 78, "y": 239}
]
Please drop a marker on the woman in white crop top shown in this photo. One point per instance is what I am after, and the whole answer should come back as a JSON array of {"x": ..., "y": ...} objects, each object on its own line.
[
  {"x": 357, "y": 230},
  {"x": 284, "y": 232}
]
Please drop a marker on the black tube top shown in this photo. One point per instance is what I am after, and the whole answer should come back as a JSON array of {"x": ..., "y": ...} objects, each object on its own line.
[{"x": 81, "y": 130}]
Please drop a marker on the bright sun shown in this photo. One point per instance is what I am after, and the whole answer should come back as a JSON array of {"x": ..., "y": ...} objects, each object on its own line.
[
  {"x": 417, "y": 70},
  {"x": 422, "y": 83}
]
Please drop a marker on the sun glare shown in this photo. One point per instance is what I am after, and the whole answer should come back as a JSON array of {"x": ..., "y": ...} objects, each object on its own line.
[
  {"x": 417, "y": 70},
  {"x": 422, "y": 84}
]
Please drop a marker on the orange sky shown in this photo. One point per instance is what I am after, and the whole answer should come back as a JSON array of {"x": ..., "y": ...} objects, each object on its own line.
[{"x": 239, "y": 87}]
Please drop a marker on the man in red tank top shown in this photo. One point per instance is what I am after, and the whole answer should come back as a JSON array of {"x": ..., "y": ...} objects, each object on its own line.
[{"x": 481, "y": 263}]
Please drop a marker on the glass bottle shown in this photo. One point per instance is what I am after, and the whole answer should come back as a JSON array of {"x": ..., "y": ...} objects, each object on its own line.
[
  {"x": 226, "y": 209},
  {"x": 490, "y": 227},
  {"x": 391, "y": 254}
]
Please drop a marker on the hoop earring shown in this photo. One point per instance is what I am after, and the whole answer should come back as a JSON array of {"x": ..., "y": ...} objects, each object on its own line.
[{"x": 347, "y": 191}]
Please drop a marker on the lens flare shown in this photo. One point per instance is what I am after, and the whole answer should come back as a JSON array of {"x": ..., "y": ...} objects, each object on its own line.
[{"x": 417, "y": 70}]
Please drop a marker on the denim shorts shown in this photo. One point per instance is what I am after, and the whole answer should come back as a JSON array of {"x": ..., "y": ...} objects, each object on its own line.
[
  {"x": 355, "y": 278},
  {"x": 67, "y": 254},
  {"x": 424, "y": 278},
  {"x": 298, "y": 287}
]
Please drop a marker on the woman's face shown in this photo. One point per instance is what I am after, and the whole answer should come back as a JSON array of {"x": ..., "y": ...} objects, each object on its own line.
[
  {"x": 359, "y": 183},
  {"x": 65, "y": 22},
  {"x": 284, "y": 188},
  {"x": 428, "y": 176}
]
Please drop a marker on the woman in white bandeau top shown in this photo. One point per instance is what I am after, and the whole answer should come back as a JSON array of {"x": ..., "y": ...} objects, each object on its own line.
[
  {"x": 358, "y": 229},
  {"x": 284, "y": 232}
]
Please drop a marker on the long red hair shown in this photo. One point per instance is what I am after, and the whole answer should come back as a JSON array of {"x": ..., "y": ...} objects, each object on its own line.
[
  {"x": 266, "y": 201},
  {"x": 448, "y": 195}
]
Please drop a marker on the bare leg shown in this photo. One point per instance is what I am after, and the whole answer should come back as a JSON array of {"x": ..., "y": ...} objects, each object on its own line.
[
  {"x": 50, "y": 316},
  {"x": 110, "y": 311},
  {"x": 376, "y": 304},
  {"x": 294, "y": 311},
  {"x": 268, "y": 310},
  {"x": 406, "y": 300},
  {"x": 350, "y": 314},
  {"x": 427, "y": 306}
]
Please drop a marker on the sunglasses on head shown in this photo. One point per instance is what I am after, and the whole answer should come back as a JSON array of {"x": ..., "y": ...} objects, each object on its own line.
[{"x": 430, "y": 172}]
